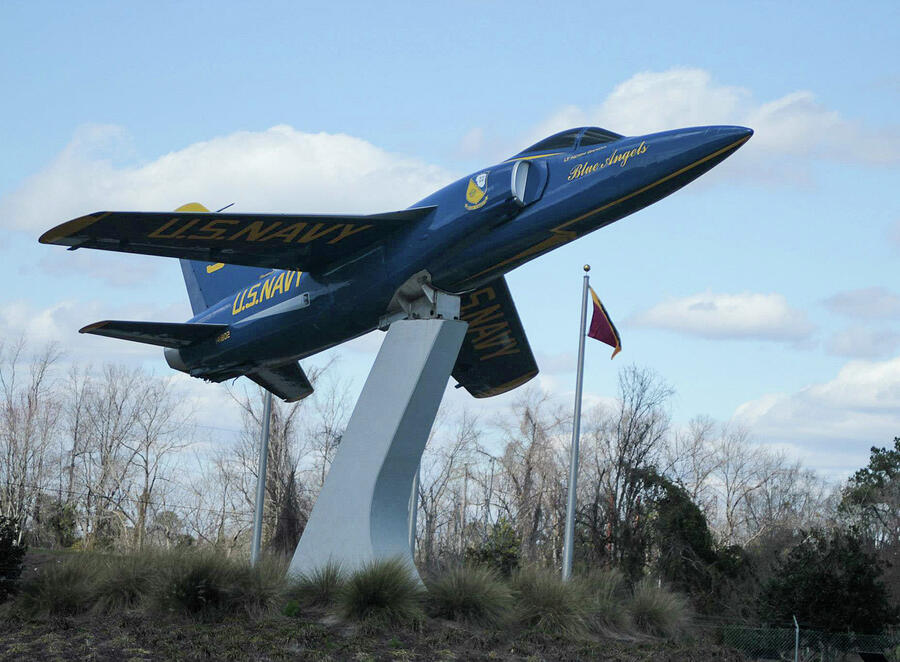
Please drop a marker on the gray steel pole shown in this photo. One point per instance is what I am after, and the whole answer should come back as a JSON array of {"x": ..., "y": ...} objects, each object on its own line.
[
  {"x": 414, "y": 511},
  {"x": 261, "y": 479},
  {"x": 576, "y": 432}
]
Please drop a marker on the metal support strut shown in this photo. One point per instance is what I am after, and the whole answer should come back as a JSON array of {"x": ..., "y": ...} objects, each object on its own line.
[{"x": 363, "y": 510}]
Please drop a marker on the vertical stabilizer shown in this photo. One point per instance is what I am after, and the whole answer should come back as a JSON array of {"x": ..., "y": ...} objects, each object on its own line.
[{"x": 209, "y": 282}]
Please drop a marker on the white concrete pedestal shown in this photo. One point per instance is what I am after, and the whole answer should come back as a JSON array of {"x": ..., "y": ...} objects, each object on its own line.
[{"x": 362, "y": 513}]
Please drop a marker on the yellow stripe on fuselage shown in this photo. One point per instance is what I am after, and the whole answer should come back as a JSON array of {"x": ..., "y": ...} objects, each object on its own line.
[{"x": 559, "y": 235}]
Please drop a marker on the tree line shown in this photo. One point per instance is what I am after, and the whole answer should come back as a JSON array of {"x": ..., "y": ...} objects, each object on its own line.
[{"x": 109, "y": 458}]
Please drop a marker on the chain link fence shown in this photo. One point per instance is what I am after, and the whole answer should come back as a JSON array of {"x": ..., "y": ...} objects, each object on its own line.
[{"x": 815, "y": 646}]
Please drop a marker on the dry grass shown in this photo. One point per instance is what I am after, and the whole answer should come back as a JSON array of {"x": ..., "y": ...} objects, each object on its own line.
[
  {"x": 472, "y": 594},
  {"x": 383, "y": 592},
  {"x": 318, "y": 588},
  {"x": 658, "y": 611},
  {"x": 545, "y": 603}
]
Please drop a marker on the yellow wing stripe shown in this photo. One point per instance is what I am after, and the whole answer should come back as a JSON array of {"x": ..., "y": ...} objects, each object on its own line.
[{"x": 69, "y": 228}]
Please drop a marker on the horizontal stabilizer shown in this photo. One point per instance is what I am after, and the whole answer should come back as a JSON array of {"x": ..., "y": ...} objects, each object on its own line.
[
  {"x": 495, "y": 356},
  {"x": 287, "y": 381},
  {"x": 307, "y": 242},
  {"x": 164, "y": 334}
]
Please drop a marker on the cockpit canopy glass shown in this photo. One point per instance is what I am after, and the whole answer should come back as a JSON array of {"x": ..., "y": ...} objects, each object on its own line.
[
  {"x": 596, "y": 136},
  {"x": 567, "y": 140}
]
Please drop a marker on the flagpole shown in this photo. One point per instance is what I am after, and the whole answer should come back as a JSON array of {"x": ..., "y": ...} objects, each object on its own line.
[{"x": 576, "y": 432}]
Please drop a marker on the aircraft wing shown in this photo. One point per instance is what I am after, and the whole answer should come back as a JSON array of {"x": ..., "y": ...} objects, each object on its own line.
[
  {"x": 287, "y": 381},
  {"x": 307, "y": 242},
  {"x": 164, "y": 334},
  {"x": 495, "y": 356}
]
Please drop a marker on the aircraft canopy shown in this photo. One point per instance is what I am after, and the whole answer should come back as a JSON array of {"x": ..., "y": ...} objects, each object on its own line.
[{"x": 564, "y": 141}]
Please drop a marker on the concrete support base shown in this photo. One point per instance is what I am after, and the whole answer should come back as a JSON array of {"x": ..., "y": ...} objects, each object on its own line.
[{"x": 362, "y": 513}]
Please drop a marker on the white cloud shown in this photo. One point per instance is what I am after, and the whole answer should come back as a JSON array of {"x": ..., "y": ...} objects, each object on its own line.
[
  {"x": 863, "y": 343},
  {"x": 836, "y": 419},
  {"x": 280, "y": 169},
  {"x": 795, "y": 127},
  {"x": 746, "y": 316},
  {"x": 874, "y": 303},
  {"x": 59, "y": 323}
]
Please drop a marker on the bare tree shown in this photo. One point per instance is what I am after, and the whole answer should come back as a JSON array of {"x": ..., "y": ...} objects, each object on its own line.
[{"x": 28, "y": 423}]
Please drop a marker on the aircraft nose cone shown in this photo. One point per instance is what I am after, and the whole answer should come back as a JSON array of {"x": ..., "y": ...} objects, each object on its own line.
[
  {"x": 693, "y": 151},
  {"x": 723, "y": 136}
]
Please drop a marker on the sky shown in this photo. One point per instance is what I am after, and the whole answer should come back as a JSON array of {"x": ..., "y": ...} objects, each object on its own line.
[{"x": 765, "y": 293}]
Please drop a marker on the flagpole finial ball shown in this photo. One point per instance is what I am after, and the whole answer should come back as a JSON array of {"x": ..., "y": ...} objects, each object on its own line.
[{"x": 587, "y": 267}]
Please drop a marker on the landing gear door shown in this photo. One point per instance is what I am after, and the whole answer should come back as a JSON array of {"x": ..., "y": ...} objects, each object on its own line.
[{"x": 529, "y": 178}]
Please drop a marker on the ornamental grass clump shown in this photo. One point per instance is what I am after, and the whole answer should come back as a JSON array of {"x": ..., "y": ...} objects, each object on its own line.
[
  {"x": 549, "y": 605},
  {"x": 607, "y": 603},
  {"x": 195, "y": 584},
  {"x": 319, "y": 587},
  {"x": 658, "y": 611},
  {"x": 384, "y": 591},
  {"x": 472, "y": 594},
  {"x": 123, "y": 582},
  {"x": 65, "y": 588},
  {"x": 257, "y": 590}
]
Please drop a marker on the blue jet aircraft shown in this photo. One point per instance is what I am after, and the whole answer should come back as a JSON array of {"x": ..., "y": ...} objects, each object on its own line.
[{"x": 268, "y": 290}]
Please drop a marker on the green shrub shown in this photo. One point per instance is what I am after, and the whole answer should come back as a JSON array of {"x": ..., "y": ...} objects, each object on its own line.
[
  {"x": 384, "y": 591},
  {"x": 291, "y": 609},
  {"x": 607, "y": 602},
  {"x": 121, "y": 582},
  {"x": 319, "y": 587},
  {"x": 657, "y": 610},
  {"x": 547, "y": 604},
  {"x": 473, "y": 594},
  {"x": 500, "y": 551},
  {"x": 12, "y": 555},
  {"x": 64, "y": 588}
]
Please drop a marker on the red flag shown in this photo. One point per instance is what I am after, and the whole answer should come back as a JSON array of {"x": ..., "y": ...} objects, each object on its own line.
[{"x": 602, "y": 328}]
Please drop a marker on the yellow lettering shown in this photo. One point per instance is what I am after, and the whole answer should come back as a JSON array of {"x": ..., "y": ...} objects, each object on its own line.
[
  {"x": 288, "y": 233},
  {"x": 316, "y": 232},
  {"x": 502, "y": 340},
  {"x": 505, "y": 351},
  {"x": 473, "y": 298},
  {"x": 212, "y": 230},
  {"x": 253, "y": 231},
  {"x": 158, "y": 233},
  {"x": 251, "y": 296},
  {"x": 235, "y": 308},
  {"x": 265, "y": 291},
  {"x": 487, "y": 331},
  {"x": 642, "y": 148},
  {"x": 483, "y": 316},
  {"x": 278, "y": 285},
  {"x": 348, "y": 231}
]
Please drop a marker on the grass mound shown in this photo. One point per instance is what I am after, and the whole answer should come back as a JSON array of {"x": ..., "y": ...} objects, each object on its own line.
[
  {"x": 259, "y": 589},
  {"x": 122, "y": 582},
  {"x": 318, "y": 588},
  {"x": 657, "y": 610},
  {"x": 65, "y": 588},
  {"x": 472, "y": 594},
  {"x": 196, "y": 584},
  {"x": 547, "y": 604},
  {"x": 383, "y": 591},
  {"x": 607, "y": 602}
]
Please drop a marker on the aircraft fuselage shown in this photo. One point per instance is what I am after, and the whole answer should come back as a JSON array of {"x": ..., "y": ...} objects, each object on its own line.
[{"x": 483, "y": 226}]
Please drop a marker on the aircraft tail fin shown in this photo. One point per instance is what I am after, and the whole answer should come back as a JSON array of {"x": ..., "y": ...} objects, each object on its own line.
[
  {"x": 208, "y": 283},
  {"x": 287, "y": 381}
]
